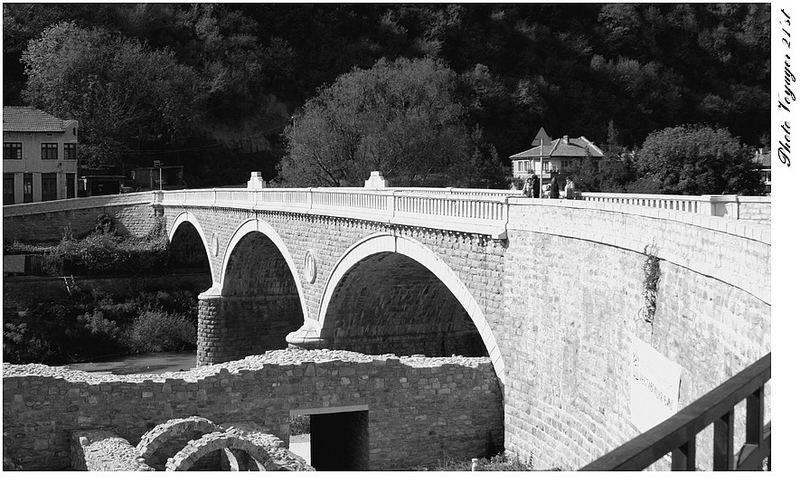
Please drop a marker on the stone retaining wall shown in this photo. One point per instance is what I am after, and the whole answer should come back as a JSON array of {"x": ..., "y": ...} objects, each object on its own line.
[
  {"x": 130, "y": 219},
  {"x": 420, "y": 409}
]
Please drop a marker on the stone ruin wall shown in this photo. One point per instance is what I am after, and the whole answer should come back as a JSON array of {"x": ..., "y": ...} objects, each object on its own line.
[{"x": 420, "y": 409}]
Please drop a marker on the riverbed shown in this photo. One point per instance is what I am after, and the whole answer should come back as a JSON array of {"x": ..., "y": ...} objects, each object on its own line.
[{"x": 147, "y": 363}]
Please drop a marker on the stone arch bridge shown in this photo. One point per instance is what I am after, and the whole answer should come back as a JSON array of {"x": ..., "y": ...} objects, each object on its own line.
[{"x": 550, "y": 290}]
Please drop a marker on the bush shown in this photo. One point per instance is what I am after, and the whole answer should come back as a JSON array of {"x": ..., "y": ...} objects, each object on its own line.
[
  {"x": 157, "y": 331},
  {"x": 697, "y": 160},
  {"x": 105, "y": 253},
  {"x": 500, "y": 462},
  {"x": 300, "y": 425}
]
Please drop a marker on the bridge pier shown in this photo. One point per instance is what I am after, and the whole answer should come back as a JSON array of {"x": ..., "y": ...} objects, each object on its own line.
[
  {"x": 307, "y": 337},
  {"x": 232, "y": 327}
]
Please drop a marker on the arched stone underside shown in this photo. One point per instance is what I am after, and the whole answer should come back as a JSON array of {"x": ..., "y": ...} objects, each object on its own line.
[
  {"x": 391, "y": 294},
  {"x": 188, "y": 244},
  {"x": 389, "y": 303},
  {"x": 166, "y": 439},
  {"x": 257, "y": 306},
  {"x": 243, "y": 446}
]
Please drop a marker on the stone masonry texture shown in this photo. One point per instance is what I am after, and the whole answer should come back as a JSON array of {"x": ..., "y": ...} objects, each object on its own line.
[
  {"x": 562, "y": 296},
  {"x": 420, "y": 409}
]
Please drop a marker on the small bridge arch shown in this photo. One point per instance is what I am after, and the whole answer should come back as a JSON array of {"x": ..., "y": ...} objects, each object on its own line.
[
  {"x": 379, "y": 244},
  {"x": 252, "y": 228},
  {"x": 184, "y": 232}
]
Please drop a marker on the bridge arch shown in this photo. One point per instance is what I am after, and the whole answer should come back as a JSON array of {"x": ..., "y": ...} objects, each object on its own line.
[
  {"x": 250, "y": 229},
  {"x": 185, "y": 232},
  {"x": 409, "y": 252}
]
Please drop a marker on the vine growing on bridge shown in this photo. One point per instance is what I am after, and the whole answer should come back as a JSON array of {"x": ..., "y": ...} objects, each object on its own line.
[{"x": 652, "y": 274}]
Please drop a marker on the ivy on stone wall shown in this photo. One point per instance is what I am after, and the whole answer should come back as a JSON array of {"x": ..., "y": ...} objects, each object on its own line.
[{"x": 652, "y": 274}]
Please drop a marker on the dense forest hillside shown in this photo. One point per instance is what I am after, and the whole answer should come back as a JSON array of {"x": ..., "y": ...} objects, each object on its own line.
[{"x": 224, "y": 80}]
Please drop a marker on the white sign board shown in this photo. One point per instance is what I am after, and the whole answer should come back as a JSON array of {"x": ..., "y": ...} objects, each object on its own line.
[{"x": 655, "y": 382}]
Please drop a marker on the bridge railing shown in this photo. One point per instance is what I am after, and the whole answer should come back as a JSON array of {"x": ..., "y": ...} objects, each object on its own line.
[
  {"x": 678, "y": 434},
  {"x": 728, "y": 206},
  {"x": 460, "y": 210},
  {"x": 76, "y": 203}
]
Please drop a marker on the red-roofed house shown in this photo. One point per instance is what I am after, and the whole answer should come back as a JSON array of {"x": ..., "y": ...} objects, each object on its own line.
[
  {"x": 561, "y": 156},
  {"x": 40, "y": 160}
]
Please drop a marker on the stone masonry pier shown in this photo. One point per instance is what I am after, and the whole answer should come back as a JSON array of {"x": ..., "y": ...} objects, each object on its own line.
[{"x": 418, "y": 409}]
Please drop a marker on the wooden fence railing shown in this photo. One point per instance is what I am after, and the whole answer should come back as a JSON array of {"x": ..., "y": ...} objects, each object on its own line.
[{"x": 678, "y": 434}]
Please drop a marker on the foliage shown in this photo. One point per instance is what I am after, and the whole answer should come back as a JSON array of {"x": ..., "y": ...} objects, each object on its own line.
[
  {"x": 612, "y": 173},
  {"x": 106, "y": 253},
  {"x": 696, "y": 160},
  {"x": 397, "y": 117},
  {"x": 300, "y": 424},
  {"x": 157, "y": 331},
  {"x": 123, "y": 93},
  {"x": 569, "y": 67},
  {"x": 652, "y": 274},
  {"x": 500, "y": 462},
  {"x": 92, "y": 324}
]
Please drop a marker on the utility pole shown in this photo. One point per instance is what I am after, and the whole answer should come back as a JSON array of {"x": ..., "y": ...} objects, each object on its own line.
[
  {"x": 543, "y": 139},
  {"x": 157, "y": 164}
]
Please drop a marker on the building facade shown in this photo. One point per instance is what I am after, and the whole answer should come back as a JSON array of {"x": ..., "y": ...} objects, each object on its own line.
[
  {"x": 562, "y": 155},
  {"x": 40, "y": 156}
]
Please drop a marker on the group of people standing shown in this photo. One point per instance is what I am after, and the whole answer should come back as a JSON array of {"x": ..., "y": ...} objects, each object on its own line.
[{"x": 532, "y": 186}]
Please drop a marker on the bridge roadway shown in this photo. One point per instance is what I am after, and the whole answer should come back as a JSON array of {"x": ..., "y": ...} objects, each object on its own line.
[{"x": 550, "y": 290}]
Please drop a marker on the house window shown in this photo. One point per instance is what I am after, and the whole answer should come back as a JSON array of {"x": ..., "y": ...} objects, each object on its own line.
[
  {"x": 71, "y": 151},
  {"x": 70, "y": 185},
  {"x": 27, "y": 187},
  {"x": 12, "y": 150},
  {"x": 8, "y": 188},
  {"x": 49, "y": 150}
]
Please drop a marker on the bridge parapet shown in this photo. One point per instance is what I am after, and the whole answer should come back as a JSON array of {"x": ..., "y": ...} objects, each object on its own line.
[{"x": 457, "y": 211}]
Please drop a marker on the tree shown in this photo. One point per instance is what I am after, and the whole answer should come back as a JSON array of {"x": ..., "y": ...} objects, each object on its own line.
[
  {"x": 696, "y": 160},
  {"x": 125, "y": 95},
  {"x": 398, "y": 117}
]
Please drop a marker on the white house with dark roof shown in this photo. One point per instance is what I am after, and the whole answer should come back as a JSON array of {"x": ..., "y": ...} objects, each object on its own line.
[
  {"x": 40, "y": 156},
  {"x": 560, "y": 156}
]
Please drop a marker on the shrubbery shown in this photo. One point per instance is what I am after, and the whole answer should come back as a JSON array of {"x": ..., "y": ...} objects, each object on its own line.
[
  {"x": 300, "y": 424},
  {"x": 103, "y": 251},
  {"x": 157, "y": 331},
  {"x": 93, "y": 324},
  {"x": 106, "y": 253},
  {"x": 500, "y": 462}
]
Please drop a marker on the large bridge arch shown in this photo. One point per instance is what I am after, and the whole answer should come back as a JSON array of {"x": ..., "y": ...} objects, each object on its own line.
[
  {"x": 260, "y": 227},
  {"x": 382, "y": 244},
  {"x": 257, "y": 301}
]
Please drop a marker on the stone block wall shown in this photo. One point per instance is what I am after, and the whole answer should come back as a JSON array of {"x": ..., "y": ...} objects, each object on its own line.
[
  {"x": 131, "y": 219},
  {"x": 419, "y": 409},
  {"x": 573, "y": 299},
  {"x": 758, "y": 209}
]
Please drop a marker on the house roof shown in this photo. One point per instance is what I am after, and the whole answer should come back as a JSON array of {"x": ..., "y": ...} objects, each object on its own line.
[
  {"x": 562, "y": 147},
  {"x": 29, "y": 119}
]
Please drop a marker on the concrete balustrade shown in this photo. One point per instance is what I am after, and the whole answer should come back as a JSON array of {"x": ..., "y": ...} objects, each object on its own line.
[{"x": 727, "y": 206}]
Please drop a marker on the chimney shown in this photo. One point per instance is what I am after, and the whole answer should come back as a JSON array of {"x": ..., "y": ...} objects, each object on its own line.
[{"x": 566, "y": 139}]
